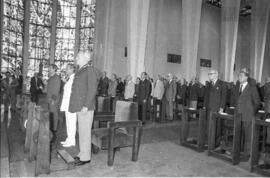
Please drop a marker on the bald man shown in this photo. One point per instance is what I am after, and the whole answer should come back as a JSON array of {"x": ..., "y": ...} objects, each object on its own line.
[
  {"x": 82, "y": 102},
  {"x": 215, "y": 99}
]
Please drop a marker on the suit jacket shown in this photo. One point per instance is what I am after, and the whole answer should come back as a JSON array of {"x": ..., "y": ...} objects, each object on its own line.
[
  {"x": 129, "y": 90},
  {"x": 103, "y": 86},
  {"x": 170, "y": 91},
  {"x": 112, "y": 88},
  {"x": 144, "y": 90},
  {"x": 247, "y": 102},
  {"x": 84, "y": 89},
  {"x": 158, "y": 90},
  {"x": 267, "y": 97},
  {"x": 215, "y": 96},
  {"x": 194, "y": 91},
  {"x": 53, "y": 88},
  {"x": 35, "y": 85}
]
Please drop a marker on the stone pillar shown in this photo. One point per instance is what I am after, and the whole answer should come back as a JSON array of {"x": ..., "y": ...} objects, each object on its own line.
[
  {"x": 108, "y": 42},
  {"x": 25, "y": 52},
  {"x": 191, "y": 16},
  {"x": 229, "y": 27},
  {"x": 259, "y": 24},
  {"x": 137, "y": 13}
]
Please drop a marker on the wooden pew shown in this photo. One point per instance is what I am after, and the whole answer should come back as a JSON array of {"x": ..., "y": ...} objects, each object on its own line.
[
  {"x": 28, "y": 121},
  {"x": 186, "y": 119},
  {"x": 43, "y": 142},
  {"x": 103, "y": 104},
  {"x": 234, "y": 158},
  {"x": 124, "y": 129},
  {"x": 255, "y": 153}
]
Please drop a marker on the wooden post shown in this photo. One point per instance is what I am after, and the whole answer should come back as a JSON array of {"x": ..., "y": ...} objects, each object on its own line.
[
  {"x": 53, "y": 32},
  {"x": 201, "y": 129},
  {"x": 211, "y": 132},
  {"x": 136, "y": 143},
  {"x": 254, "y": 146},
  {"x": 184, "y": 127},
  {"x": 111, "y": 146},
  {"x": 25, "y": 51},
  {"x": 28, "y": 137},
  {"x": 34, "y": 135},
  {"x": 43, "y": 145},
  {"x": 1, "y": 32},
  {"x": 236, "y": 139}
]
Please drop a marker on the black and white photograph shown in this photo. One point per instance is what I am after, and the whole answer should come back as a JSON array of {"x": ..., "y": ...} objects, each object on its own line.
[{"x": 135, "y": 88}]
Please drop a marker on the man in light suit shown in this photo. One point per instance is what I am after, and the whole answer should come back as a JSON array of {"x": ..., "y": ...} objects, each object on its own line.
[
  {"x": 247, "y": 104},
  {"x": 158, "y": 95},
  {"x": 215, "y": 100},
  {"x": 53, "y": 97},
  {"x": 170, "y": 94},
  {"x": 82, "y": 102},
  {"x": 129, "y": 89}
]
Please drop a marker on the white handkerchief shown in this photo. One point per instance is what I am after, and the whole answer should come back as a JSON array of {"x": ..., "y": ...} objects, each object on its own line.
[
  {"x": 261, "y": 111},
  {"x": 267, "y": 120}
]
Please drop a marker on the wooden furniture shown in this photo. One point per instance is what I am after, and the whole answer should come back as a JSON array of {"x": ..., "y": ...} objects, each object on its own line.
[
  {"x": 234, "y": 157},
  {"x": 69, "y": 160},
  {"x": 124, "y": 129},
  {"x": 37, "y": 139},
  {"x": 199, "y": 144},
  {"x": 255, "y": 153}
]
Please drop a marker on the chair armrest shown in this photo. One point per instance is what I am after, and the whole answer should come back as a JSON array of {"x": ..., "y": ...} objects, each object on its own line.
[
  {"x": 104, "y": 117},
  {"x": 121, "y": 124}
]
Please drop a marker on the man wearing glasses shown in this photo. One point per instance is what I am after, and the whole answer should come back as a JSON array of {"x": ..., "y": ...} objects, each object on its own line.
[{"x": 215, "y": 100}]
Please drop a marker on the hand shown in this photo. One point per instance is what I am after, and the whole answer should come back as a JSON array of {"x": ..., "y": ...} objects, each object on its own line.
[
  {"x": 84, "y": 109},
  {"x": 220, "y": 110}
]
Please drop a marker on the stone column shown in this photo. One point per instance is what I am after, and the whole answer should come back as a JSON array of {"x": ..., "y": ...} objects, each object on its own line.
[
  {"x": 229, "y": 27},
  {"x": 137, "y": 13},
  {"x": 259, "y": 24},
  {"x": 191, "y": 16}
]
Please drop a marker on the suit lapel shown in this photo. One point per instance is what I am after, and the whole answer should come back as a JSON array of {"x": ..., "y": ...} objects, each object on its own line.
[{"x": 245, "y": 89}]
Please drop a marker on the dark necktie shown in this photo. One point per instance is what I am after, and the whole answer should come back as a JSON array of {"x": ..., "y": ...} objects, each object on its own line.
[{"x": 240, "y": 91}]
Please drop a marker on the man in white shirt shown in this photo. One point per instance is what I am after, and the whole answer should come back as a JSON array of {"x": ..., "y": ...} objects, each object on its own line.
[
  {"x": 158, "y": 95},
  {"x": 129, "y": 89}
]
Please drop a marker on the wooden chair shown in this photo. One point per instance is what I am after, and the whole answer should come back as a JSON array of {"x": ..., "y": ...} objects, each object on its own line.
[
  {"x": 124, "y": 129},
  {"x": 234, "y": 158},
  {"x": 255, "y": 153},
  {"x": 200, "y": 138},
  {"x": 103, "y": 104}
]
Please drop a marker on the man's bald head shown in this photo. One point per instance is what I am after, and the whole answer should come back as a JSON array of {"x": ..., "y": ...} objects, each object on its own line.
[{"x": 213, "y": 75}]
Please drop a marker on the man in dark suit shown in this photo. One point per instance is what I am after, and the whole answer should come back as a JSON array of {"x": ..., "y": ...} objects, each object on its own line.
[
  {"x": 266, "y": 92},
  {"x": 143, "y": 96},
  {"x": 248, "y": 101},
  {"x": 170, "y": 93},
  {"x": 250, "y": 80},
  {"x": 36, "y": 86},
  {"x": 193, "y": 93},
  {"x": 215, "y": 100},
  {"x": 82, "y": 102},
  {"x": 53, "y": 97},
  {"x": 103, "y": 85}
]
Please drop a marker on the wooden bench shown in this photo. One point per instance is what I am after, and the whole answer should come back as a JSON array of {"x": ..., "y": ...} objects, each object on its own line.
[
  {"x": 123, "y": 130},
  {"x": 67, "y": 158},
  {"x": 103, "y": 104},
  {"x": 234, "y": 158},
  {"x": 255, "y": 153},
  {"x": 200, "y": 138}
]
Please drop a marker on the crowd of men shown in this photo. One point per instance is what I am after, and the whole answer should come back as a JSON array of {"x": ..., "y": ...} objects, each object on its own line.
[{"x": 76, "y": 94}]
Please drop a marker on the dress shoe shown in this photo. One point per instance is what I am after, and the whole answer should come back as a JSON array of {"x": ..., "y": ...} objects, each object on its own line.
[
  {"x": 80, "y": 163},
  {"x": 76, "y": 158}
]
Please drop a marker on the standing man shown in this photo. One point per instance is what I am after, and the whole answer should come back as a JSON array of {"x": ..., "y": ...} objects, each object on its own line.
[
  {"x": 267, "y": 105},
  {"x": 215, "y": 100},
  {"x": 53, "y": 95},
  {"x": 144, "y": 94},
  {"x": 158, "y": 95},
  {"x": 103, "y": 85},
  {"x": 170, "y": 94},
  {"x": 82, "y": 102},
  {"x": 36, "y": 86},
  {"x": 248, "y": 101},
  {"x": 129, "y": 89}
]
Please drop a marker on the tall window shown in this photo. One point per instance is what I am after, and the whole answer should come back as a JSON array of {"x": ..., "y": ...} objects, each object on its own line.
[
  {"x": 40, "y": 27},
  {"x": 65, "y": 32},
  {"x": 12, "y": 36},
  {"x": 87, "y": 29}
]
